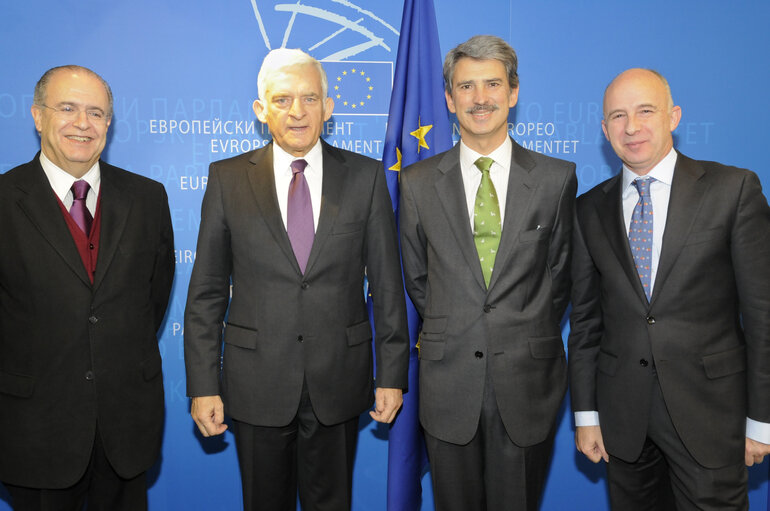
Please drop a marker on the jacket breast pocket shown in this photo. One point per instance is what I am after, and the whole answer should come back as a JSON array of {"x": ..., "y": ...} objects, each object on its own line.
[
  {"x": 703, "y": 236},
  {"x": 536, "y": 234},
  {"x": 347, "y": 228}
]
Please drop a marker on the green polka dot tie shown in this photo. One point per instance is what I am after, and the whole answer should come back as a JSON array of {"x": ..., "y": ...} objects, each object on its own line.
[{"x": 486, "y": 220}]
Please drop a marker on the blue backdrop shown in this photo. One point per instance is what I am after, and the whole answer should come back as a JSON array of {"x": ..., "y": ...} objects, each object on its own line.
[{"x": 184, "y": 77}]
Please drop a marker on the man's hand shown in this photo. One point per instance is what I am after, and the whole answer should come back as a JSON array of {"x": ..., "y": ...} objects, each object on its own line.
[
  {"x": 386, "y": 404},
  {"x": 755, "y": 451},
  {"x": 588, "y": 440},
  {"x": 208, "y": 412}
]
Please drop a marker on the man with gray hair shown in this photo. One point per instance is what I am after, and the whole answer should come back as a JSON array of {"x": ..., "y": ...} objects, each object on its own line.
[
  {"x": 296, "y": 227},
  {"x": 486, "y": 231},
  {"x": 85, "y": 274}
]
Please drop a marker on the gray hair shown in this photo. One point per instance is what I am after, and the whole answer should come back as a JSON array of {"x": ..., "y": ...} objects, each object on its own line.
[
  {"x": 281, "y": 58},
  {"x": 482, "y": 47},
  {"x": 41, "y": 88}
]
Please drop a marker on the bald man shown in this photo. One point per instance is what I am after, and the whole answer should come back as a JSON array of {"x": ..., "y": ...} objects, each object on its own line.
[{"x": 670, "y": 328}]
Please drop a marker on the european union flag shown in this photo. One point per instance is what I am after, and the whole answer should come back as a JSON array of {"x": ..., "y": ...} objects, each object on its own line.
[
  {"x": 418, "y": 127},
  {"x": 359, "y": 87}
]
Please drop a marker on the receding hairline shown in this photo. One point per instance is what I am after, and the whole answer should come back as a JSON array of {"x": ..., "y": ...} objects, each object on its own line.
[
  {"x": 659, "y": 76},
  {"x": 41, "y": 87}
]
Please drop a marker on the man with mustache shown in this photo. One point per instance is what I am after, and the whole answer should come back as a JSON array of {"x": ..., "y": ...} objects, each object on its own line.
[{"x": 485, "y": 233}]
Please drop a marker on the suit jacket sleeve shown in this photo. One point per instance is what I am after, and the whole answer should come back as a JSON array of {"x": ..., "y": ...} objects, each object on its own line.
[
  {"x": 560, "y": 248},
  {"x": 384, "y": 274},
  {"x": 585, "y": 324},
  {"x": 750, "y": 249},
  {"x": 413, "y": 243},
  {"x": 163, "y": 273},
  {"x": 208, "y": 294}
]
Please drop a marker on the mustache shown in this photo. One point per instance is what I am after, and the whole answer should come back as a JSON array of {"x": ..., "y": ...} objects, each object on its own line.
[{"x": 482, "y": 108}]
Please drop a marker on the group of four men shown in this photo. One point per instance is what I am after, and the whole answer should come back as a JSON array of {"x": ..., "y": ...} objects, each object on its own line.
[{"x": 670, "y": 326}]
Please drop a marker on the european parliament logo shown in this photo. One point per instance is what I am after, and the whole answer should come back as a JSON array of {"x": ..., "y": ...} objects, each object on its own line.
[
  {"x": 334, "y": 31},
  {"x": 359, "y": 88}
]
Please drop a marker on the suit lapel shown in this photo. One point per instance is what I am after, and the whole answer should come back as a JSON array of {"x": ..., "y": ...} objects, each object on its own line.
[
  {"x": 451, "y": 194},
  {"x": 335, "y": 180},
  {"x": 610, "y": 213},
  {"x": 262, "y": 180},
  {"x": 521, "y": 183},
  {"x": 115, "y": 209},
  {"x": 41, "y": 207},
  {"x": 687, "y": 193}
]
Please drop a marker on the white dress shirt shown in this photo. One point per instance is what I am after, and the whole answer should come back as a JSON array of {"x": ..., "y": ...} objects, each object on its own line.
[
  {"x": 61, "y": 182},
  {"x": 498, "y": 172},
  {"x": 660, "y": 193},
  {"x": 313, "y": 175}
]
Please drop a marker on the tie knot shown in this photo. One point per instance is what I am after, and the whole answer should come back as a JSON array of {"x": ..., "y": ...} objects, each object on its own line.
[
  {"x": 643, "y": 185},
  {"x": 80, "y": 189},
  {"x": 298, "y": 166},
  {"x": 484, "y": 163}
]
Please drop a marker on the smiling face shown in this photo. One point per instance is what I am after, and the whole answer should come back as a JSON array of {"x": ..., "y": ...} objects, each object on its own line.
[
  {"x": 639, "y": 118},
  {"x": 73, "y": 142},
  {"x": 294, "y": 108},
  {"x": 481, "y": 97}
]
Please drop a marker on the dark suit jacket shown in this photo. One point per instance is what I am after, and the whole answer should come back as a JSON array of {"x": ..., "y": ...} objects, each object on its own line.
[
  {"x": 283, "y": 326},
  {"x": 71, "y": 353},
  {"x": 706, "y": 330},
  {"x": 515, "y": 323}
]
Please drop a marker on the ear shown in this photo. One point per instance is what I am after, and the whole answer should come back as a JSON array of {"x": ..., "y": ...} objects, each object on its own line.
[
  {"x": 513, "y": 98},
  {"x": 450, "y": 104},
  {"x": 37, "y": 115},
  {"x": 675, "y": 117},
  {"x": 260, "y": 110},
  {"x": 604, "y": 129},
  {"x": 328, "y": 108}
]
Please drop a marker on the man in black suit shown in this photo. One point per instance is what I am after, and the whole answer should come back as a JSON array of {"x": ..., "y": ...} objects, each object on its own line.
[
  {"x": 491, "y": 286},
  {"x": 296, "y": 227},
  {"x": 85, "y": 274},
  {"x": 670, "y": 341}
]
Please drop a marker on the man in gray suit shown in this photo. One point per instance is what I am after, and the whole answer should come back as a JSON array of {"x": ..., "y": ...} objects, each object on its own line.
[
  {"x": 670, "y": 340},
  {"x": 295, "y": 226},
  {"x": 486, "y": 230}
]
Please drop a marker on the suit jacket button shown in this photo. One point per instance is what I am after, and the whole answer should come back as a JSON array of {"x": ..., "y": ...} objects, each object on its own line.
[
  {"x": 650, "y": 320},
  {"x": 487, "y": 308},
  {"x": 305, "y": 285},
  {"x": 300, "y": 338},
  {"x": 643, "y": 362},
  {"x": 89, "y": 375},
  {"x": 93, "y": 320},
  {"x": 479, "y": 354}
]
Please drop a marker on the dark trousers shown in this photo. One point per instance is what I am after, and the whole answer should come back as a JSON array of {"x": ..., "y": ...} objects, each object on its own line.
[
  {"x": 666, "y": 477},
  {"x": 491, "y": 472},
  {"x": 100, "y": 489},
  {"x": 305, "y": 455}
]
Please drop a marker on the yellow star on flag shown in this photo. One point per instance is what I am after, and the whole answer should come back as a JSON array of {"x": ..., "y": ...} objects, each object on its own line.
[
  {"x": 420, "y": 133},
  {"x": 397, "y": 166}
]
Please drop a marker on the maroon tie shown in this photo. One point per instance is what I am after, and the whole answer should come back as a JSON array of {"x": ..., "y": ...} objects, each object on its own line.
[
  {"x": 79, "y": 211},
  {"x": 299, "y": 215}
]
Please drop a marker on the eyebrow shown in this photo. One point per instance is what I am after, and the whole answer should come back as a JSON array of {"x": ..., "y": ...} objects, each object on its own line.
[{"x": 72, "y": 103}]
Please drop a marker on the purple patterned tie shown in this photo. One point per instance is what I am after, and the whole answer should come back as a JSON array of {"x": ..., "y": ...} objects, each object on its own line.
[
  {"x": 299, "y": 215},
  {"x": 78, "y": 210},
  {"x": 640, "y": 233}
]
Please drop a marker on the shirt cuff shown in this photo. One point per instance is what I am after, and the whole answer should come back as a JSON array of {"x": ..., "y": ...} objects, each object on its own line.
[
  {"x": 759, "y": 431},
  {"x": 588, "y": 419}
]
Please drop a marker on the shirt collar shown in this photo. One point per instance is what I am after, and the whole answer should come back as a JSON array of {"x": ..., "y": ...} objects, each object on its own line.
[
  {"x": 501, "y": 155},
  {"x": 314, "y": 158},
  {"x": 61, "y": 181},
  {"x": 663, "y": 171}
]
